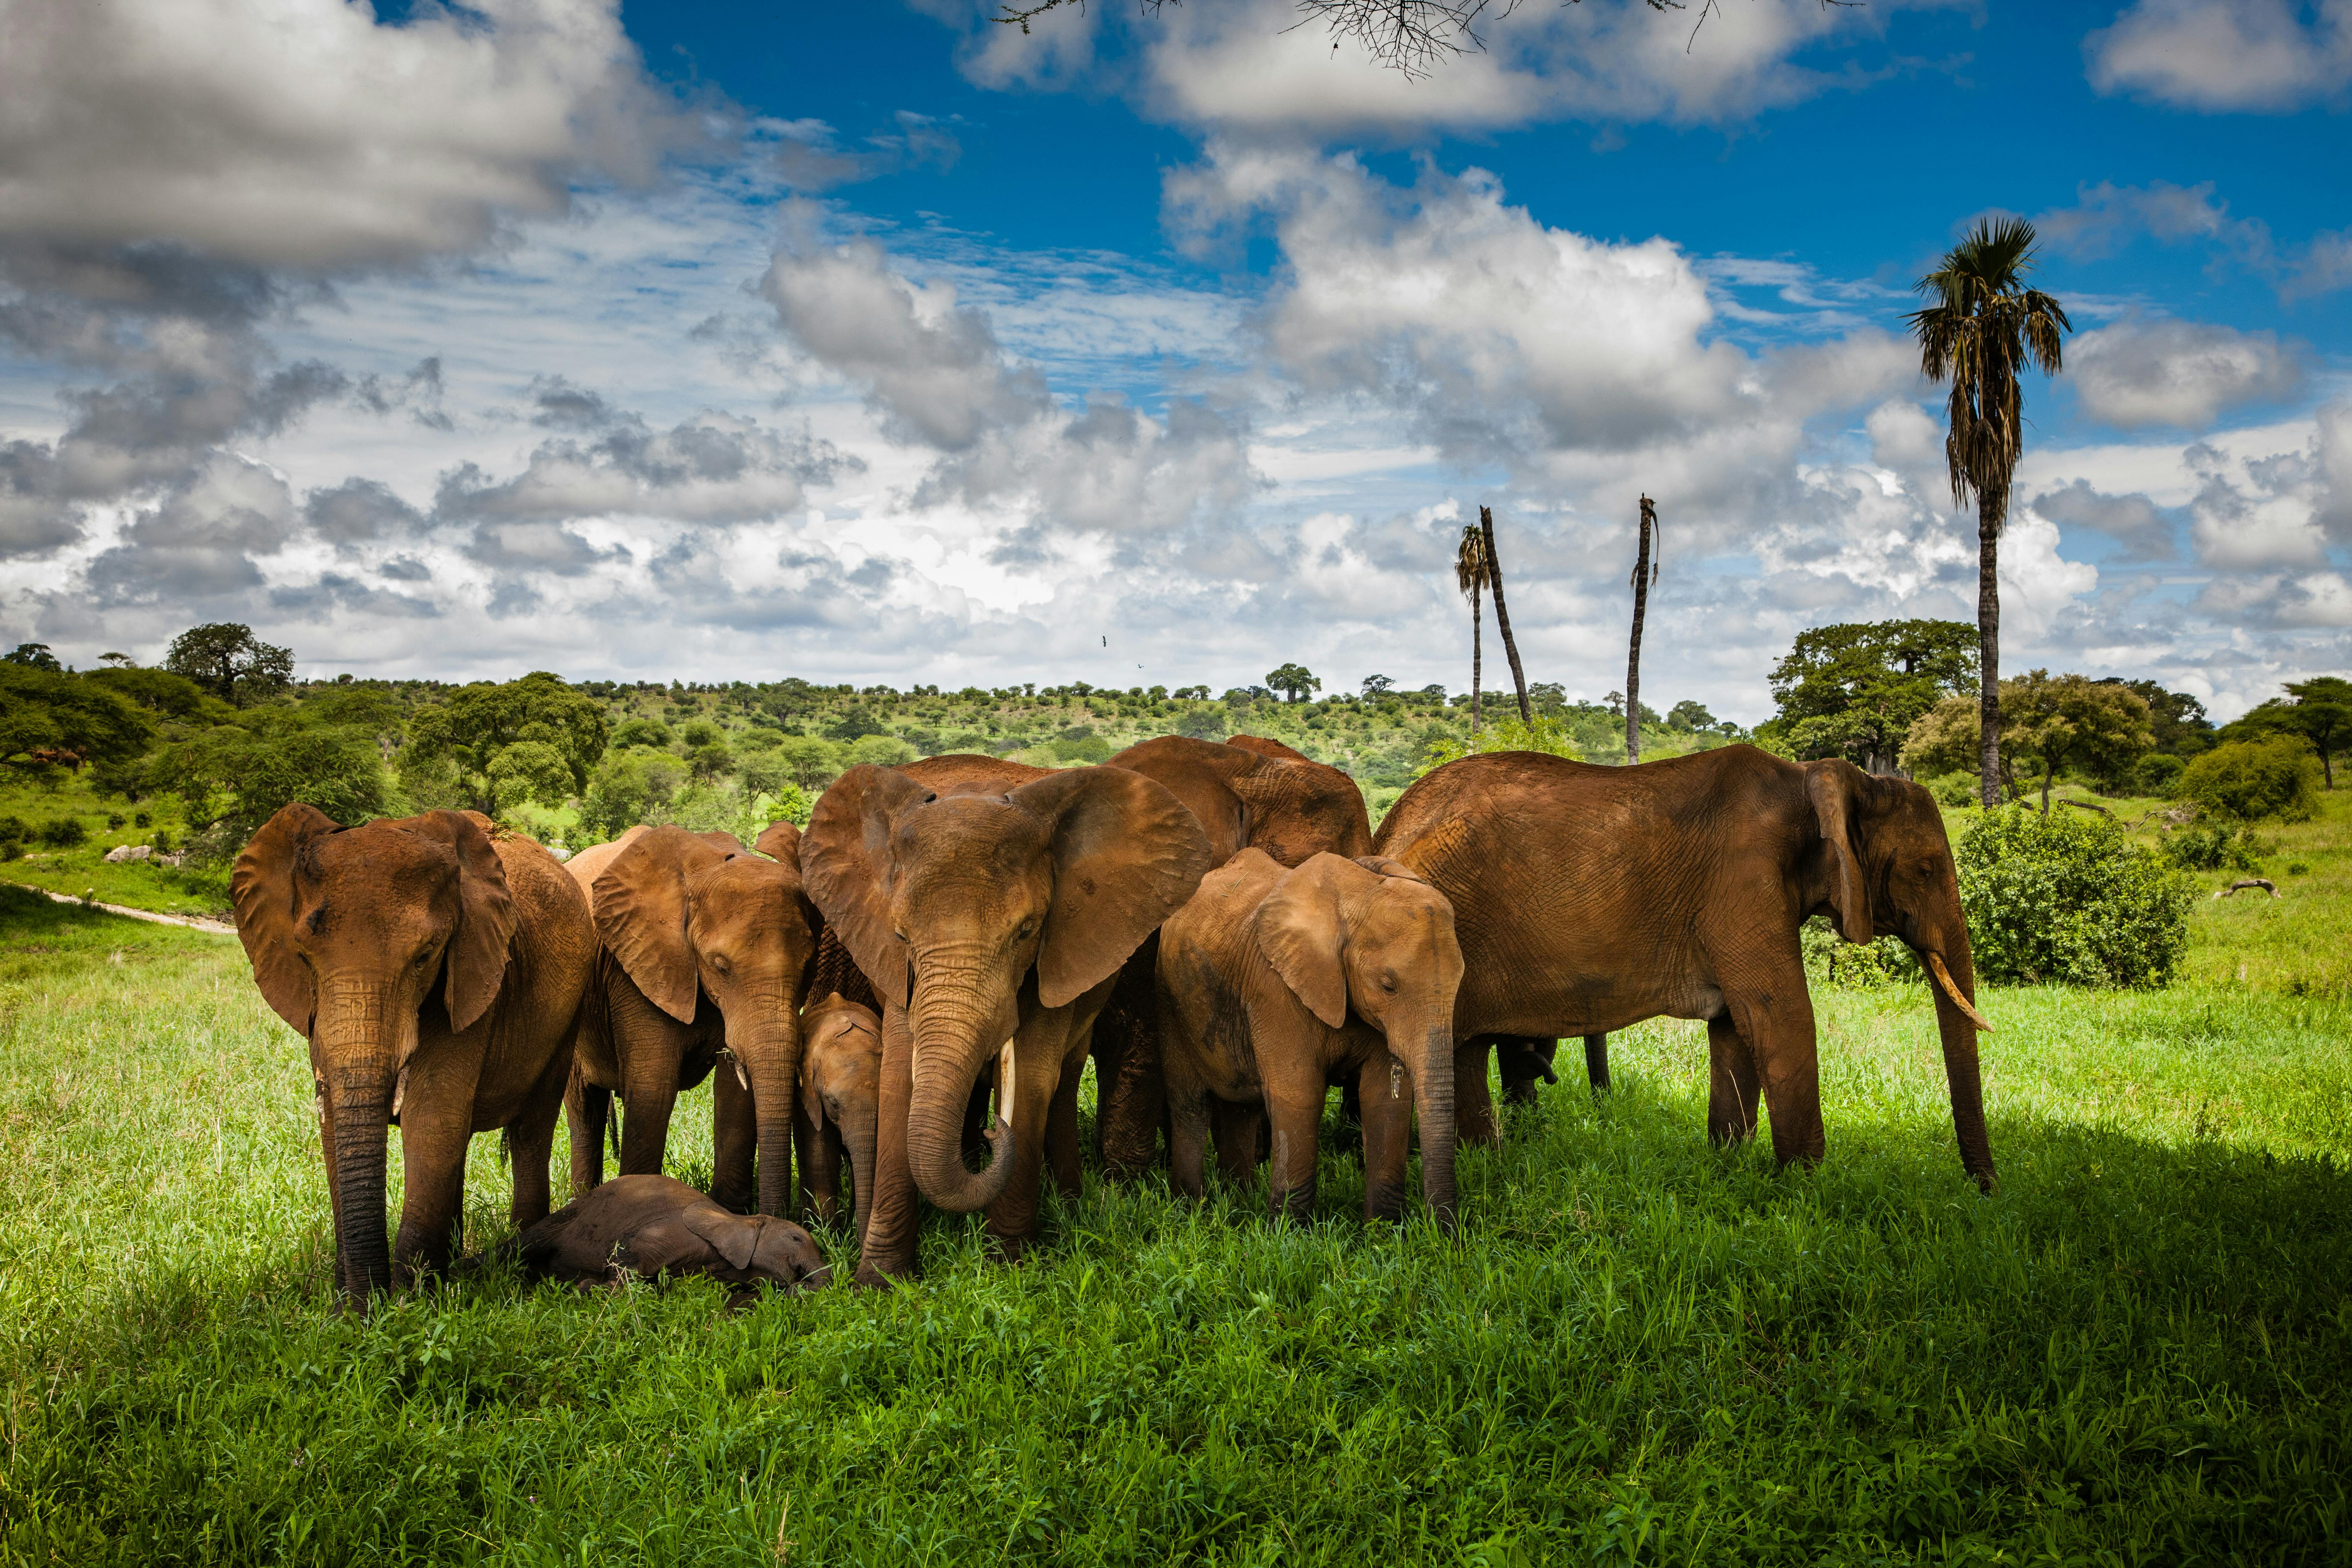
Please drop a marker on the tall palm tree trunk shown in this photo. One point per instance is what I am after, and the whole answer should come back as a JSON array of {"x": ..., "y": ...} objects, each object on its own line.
[
  {"x": 1503, "y": 616},
  {"x": 1989, "y": 650},
  {"x": 1642, "y": 572},
  {"x": 1478, "y": 657}
]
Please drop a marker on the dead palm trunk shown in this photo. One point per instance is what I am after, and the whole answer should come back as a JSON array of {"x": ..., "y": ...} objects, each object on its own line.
[
  {"x": 1645, "y": 573},
  {"x": 1989, "y": 507},
  {"x": 1501, "y": 615},
  {"x": 1472, "y": 568}
]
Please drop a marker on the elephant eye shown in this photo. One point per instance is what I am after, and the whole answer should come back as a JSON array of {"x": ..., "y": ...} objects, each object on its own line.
[
  {"x": 1388, "y": 982},
  {"x": 1028, "y": 929},
  {"x": 899, "y": 934},
  {"x": 719, "y": 961}
]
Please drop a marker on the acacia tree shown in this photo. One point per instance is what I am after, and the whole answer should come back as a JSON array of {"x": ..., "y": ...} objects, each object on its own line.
[
  {"x": 227, "y": 660},
  {"x": 1981, "y": 332},
  {"x": 1471, "y": 569},
  {"x": 2318, "y": 710},
  {"x": 1295, "y": 681}
]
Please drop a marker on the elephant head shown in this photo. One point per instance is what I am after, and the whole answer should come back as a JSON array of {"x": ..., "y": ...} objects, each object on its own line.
[
  {"x": 1883, "y": 867},
  {"x": 1367, "y": 937},
  {"x": 840, "y": 1082},
  {"x": 973, "y": 910},
  {"x": 692, "y": 915},
  {"x": 1258, "y": 794},
  {"x": 354, "y": 932}
]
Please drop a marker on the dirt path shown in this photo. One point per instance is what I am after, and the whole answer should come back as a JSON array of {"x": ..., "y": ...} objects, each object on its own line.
[{"x": 193, "y": 922}]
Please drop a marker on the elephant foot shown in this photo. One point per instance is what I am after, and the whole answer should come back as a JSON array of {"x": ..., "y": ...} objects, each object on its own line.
[{"x": 873, "y": 1276}]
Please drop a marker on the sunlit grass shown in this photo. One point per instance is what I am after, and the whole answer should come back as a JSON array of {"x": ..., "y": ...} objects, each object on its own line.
[{"x": 1637, "y": 1349}]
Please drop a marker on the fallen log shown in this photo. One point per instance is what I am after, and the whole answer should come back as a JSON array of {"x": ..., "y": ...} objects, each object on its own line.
[{"x": 2264, "y": 883}]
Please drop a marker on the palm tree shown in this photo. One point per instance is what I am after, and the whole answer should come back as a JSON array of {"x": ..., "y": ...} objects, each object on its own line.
[
  {"x": 1472, "y": 568},
  {"x": 1645, "y": 572},
  {"x": 1981, "y": 331},
  {"x": 1503, "y": 615}
]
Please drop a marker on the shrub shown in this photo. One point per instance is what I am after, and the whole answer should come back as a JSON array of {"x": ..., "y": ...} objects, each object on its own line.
[
  {"x": 884, "y": 751},
  {"x": 642, "y": 733},
  {"x": 13, "y": 830},
  {"x": 2251, "y": 779},
  {"x": 2157, "y": 774},
  {"x": 1853, "y": 966},
  {"x": 2067, "y": 899},
  {"x": 114, "y": 819},
  {"x": 789, "y": 803},
  {"x": 12, "y": 849},
  {"x": 1089, "y": 747},
  {"x": 142, "y": 819},
  {"x": 2210, "y": 846},
  {"x": 1955, "y": 790},
  {"x": 63, "y": 832}
]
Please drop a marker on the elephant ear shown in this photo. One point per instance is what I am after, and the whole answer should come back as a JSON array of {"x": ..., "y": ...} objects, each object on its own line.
[
  {"x": 640, "y": 911},
  {"x": 1836, "y": 787},
  {"x": 1383, "y": 866},
  {"x": 782, "y": 843},
  {"x": 1299, "y": 930},
  {"x": 262, "y": 889},
  {"x": 486, "y": 913},
  {"x": 733, "y": 1236},
  {"x": 846, "y": 866},
  {"x": 1127, "y": 853}
]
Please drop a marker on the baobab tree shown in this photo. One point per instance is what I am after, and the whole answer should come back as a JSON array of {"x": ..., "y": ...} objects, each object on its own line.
[{"x": 1983, "y": 328}]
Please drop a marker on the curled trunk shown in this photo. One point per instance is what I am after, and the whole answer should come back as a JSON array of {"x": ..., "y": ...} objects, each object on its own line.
[{"x": 956, "y": 1036}]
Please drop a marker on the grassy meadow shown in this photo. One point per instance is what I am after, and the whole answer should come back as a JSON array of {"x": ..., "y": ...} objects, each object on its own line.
[{"x": 1636, "y": 1350}]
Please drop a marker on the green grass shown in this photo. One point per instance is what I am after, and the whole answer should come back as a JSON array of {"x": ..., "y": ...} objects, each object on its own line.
[
  {"x": 82, "y": 869},
  {"x": 1636, "y": 1350}
]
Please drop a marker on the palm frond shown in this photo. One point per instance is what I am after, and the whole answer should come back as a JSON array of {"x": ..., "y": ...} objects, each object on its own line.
[{"x": 1472, "y": 568}]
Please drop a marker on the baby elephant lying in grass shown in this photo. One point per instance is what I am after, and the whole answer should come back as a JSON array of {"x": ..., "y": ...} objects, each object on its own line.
[{"x": 654, "y": 1226}]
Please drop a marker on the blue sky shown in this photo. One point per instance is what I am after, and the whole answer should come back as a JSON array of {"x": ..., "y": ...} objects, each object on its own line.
[{"x": 875, "y": 343}]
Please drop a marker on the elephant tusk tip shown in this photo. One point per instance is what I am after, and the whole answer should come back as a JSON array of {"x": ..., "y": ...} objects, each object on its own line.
[
  {"x": 1944, "y": 979},
  {"x": 1004, "y": 1085}
]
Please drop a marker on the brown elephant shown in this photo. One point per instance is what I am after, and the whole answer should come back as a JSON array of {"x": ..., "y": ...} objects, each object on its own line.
[
  {"x": 841, "y": 1096},
  {"x": 1246, "y": 793},
  {"x": 1586, "y": 899},
  {"x": 653, "y": 1226},
  {"x": 434, "y": 964},
  {"x": 1275, "y": 982},
  {"x": 705, "y": 951},
  {"x": 991, "y": 906}
]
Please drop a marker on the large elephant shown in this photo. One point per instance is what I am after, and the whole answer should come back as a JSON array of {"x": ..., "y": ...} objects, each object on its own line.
[
  {"x": 434, "y": 964},
  {"x": 1586, "y": 899},
  {"x": 991, "y": 906},
  {"x": 1248, "y": 793},
  {"x": 1273, "y": 982},
  {"x": 705, "y": 951}
]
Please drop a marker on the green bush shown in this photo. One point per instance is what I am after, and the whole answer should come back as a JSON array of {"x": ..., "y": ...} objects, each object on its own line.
[
  {"x": 63, "y": 832},
  {"x": 1089, "y": 748},
  {"x": 642, "y": 733},
  {"x": 15, "y": 830},
  {"x": 2249, "y": 779},
  {"x": 884, "y": 751},
  {"x": 2158, "y": 774},
  {"x": 2067, "y": 899},
  {"x": 2211, "y": 846},
  {"x": 1955, "y": 790}
]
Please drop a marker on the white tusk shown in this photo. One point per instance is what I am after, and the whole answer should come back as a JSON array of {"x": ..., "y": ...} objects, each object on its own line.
[
  {"x": 1004, "y": 1084},
  {"x": 741, "y": 1077},
  {"x": 399, "y": 1093},
  {"x": 1944, "y": 979}
]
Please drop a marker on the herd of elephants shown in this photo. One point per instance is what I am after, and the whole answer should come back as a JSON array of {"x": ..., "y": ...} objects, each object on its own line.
[{"x": 913, "y": 983}]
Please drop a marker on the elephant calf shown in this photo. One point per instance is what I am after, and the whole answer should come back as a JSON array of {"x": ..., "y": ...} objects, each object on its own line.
[
  {"x": 841, "y": 1095},
  {"x": 1272, "y": 981},
  {"x": 654, "y": 1226}
]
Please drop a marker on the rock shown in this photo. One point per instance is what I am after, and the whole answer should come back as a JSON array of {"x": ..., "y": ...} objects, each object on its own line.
[{"x": 121, "y": 852}]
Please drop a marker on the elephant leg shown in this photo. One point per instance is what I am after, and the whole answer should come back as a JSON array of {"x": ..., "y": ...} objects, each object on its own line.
[
  {"x": 1386, "y": 1088},
  {"x": 1293, "y": 1106},
  {"x": 1241, "y": 1130},
  {"x": 1474, "y": 1102},
  {"x": 436, "y": 1120},
  {"x": 1190, "y": 1112},
  {"x": 1732, "y": 1089},
  {"x": 1130, "y": 1086},
  {"x": 887, "y": 1249},
  {"x": 734, "y": 1141},
  {"x": 651, "y": 1046},
  {"x": 530, "y": 1142},
  {"x": 1062, "y": 1129},
  {"x": 1351, "y": 1114},
  {"x": 587, "y": 1112},
  {"x": 1787, "y": 1061},
  {"x": 334, "y": 1180},
  {"x": 818, "y": 1152},
  {"x": 1522, "y": 1062},
  {"x": 1012, "y": 1217},
  {"x": 1596, "y": 1061}
]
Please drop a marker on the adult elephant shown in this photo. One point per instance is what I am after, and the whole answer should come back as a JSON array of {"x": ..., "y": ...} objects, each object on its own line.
[
  {"x": 990, "y": 905},
  {"x": 434, "y": 964},
  {"x": 1248, "y": 793},
  {"x": 1586, "y": 899},
  {"x": 705, "y": 952}
]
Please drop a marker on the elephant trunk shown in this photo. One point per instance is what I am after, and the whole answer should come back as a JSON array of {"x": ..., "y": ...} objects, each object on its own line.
[
  {"x": 1956, "y": 1026},
  {"x": 1433, "y": 1104},
  {"x": 857, "y": 1136},
  {"x": 363, "y": 1033},
  {"x": 769, "y": 1052},
  {"x": 957, "y": 1033}
]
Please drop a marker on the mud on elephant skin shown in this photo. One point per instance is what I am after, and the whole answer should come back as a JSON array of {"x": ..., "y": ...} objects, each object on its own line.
[
  {"x": 990, "y": 905},
  {"x": 653, "y": 1226},
  {"x": 1274, "y": 983},
  {"x": 1587, "y": 899},
  {"x": 840, "y": 1105},
  {"x": 705, "y": 952},
  {"x": 1248, "y": 793},
  {"x": 434, "y": 964}
]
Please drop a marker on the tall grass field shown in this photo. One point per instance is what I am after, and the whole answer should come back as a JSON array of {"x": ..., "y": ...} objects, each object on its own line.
[{"x": 1637, "y": 1349}]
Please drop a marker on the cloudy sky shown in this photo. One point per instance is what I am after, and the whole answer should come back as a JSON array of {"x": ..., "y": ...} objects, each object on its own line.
[{"x": 738, "y": 338}]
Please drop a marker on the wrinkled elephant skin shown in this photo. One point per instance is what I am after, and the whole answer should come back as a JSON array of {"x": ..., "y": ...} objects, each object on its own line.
[{"x": 652, "y": 1226}]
